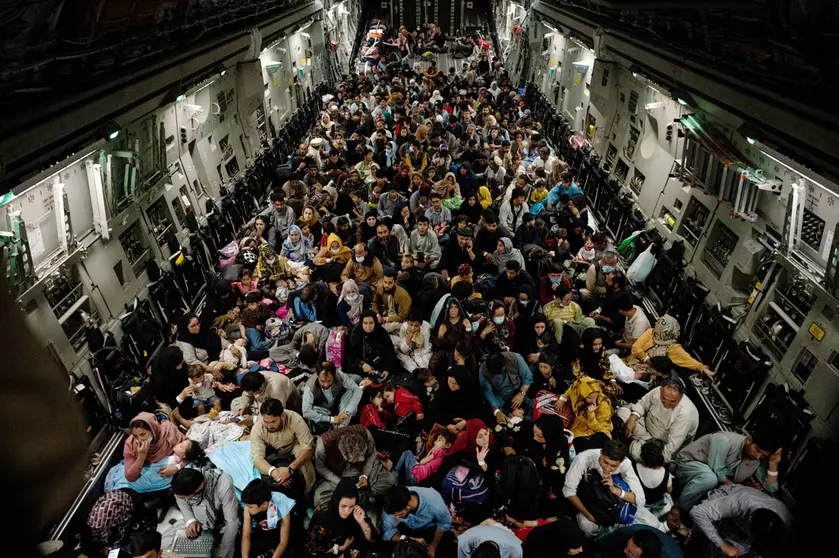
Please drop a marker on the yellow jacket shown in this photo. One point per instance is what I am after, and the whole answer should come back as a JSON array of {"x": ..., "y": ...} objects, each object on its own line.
[
  {"x": 589, "y": 423},
  {"x": 675, "y": 352}
]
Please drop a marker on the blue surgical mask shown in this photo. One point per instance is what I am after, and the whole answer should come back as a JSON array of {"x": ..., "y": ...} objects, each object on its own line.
[
  {"x": 498, "y": 320},
  {"x": 555, "y": 280},
  {"x": 608, "y": 269}
]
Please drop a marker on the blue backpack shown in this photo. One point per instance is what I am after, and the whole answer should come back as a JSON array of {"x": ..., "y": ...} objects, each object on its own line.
[{"x": 463, "y": 486}]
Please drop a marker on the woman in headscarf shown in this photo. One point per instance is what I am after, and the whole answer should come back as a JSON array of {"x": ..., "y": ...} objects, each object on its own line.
[
  {"x": 448, "y": 187},
  {"x": 402, "y": 216},
  {"x": 271, "y": 267},
  {"x": 547, "y": 376},
  {"x": 310, "y": 217},
  {"x": 402, "y": 238},
  {"x": 248, "y": 253},
  {"x": 453, "y": 327},
  {"x": 340, "y": 525},
  {"x": 662, "y": 340},
  {"x": 197, "y": 343},
  {"x": 595, "y": 363},
  {"x": 370, "y": 351},
  {"x": 350, "y": 305},
  {"x": 296, "y": 248},
  {"x": 525, "y": 307},
  {"x": 150, "y": 442},
  {"x": 333, "y": 253},
  {"x": 112, "y": 522},
  {"x": 471, "y": 208},
  {"x": 433, "y": 289},
  {"x": 504, "y": 253},
  {"x": 484, "y": 197},
  {"x": 539, "y": 339},
  {"x": 220, "y": 300},
  {"x": 367, "y": 228},
  {"x": 551, "y": 452},
  {"x": 592, "y": 426},
  {"x": 466, "y": 179},
  {"x": 497, "y": 331},
  {"x": 330, "y": 201},
  {"x": 170, "y": 384},
  {"x": 458, "y": 397}
]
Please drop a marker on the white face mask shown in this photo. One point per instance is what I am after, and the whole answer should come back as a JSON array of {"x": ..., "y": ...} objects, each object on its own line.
[
  {"x": 498, "y": 320},
  {"x": 524, "y": 302},
  {"x": 359, "y": 259},
  {"x": 335, "y": 250},
  {"x": 270, "y": 260},
  {"x": 351, "y": 298}
]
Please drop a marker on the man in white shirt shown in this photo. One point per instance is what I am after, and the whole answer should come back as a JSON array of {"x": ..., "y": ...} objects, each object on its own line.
[
  {"x": 636, "y": 321},
  {"x": 664, "y": 414},
  {"x": 611, "y": 460}
]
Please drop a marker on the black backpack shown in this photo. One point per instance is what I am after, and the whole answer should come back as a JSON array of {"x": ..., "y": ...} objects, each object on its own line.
[{"x": 519, "y": 486}]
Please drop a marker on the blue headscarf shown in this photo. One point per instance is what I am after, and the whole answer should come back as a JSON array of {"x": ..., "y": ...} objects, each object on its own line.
[{"x": 297, "y": 252}]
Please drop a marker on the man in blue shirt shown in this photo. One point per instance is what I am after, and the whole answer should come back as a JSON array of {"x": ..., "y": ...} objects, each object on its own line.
[
  {"x": 417, "y": 513},
  {"x": 505, "y": 379},
  {"x": 565, "y": 187},
  {"x": 501, "y": 541}
]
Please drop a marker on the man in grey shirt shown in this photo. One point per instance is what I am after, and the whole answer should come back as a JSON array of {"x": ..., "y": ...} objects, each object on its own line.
[
  {"x": 737, "y": 519},
  {"x": 207, "y": 500},
  {"x": 725, "y": 458}
]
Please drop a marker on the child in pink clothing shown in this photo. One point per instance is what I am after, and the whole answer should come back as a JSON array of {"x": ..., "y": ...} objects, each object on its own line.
[{"x": 416, "y": 472}]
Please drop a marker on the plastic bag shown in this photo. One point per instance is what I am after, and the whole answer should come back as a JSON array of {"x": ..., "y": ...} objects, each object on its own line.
[{"x": 642, "y": 266}]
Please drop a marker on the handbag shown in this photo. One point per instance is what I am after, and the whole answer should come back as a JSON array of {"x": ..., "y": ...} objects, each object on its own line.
[{"x": 642, "y": 266}]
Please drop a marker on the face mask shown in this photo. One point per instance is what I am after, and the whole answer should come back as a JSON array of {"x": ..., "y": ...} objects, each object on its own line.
[
  {"x": 359, "y": 260},
  {"x": 351, "y": 298},
  {"x": 524, "y": 303},
  {"x": 555, "y": 280},
  {"x": 498, "y": 320},
  {"x": 270, "y": 260},
  {"x": 608, "y": 269},
  {"x": 335, "y": 250}
]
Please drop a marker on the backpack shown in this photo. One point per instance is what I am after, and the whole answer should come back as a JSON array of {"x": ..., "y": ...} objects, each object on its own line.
[
  {"x": 464, "y": 486},
  {"x": 519, "y": 486}
]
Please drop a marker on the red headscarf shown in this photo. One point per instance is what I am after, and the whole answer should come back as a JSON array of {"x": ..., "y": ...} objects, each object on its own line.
[{"x": 466, "y": 440}]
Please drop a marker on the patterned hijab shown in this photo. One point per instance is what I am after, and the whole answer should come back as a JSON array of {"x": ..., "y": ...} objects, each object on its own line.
[
  {"x": 665, "y": 333},
  {"x": 350, "y": 288},
  {"x": 110, "y": 518}
]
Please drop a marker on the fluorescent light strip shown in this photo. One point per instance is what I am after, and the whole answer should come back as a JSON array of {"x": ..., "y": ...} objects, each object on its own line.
[{"x": 802, "y": 175}]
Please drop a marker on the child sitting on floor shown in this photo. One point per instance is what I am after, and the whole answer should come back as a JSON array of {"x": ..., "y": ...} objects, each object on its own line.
[
  {"x": 203, "y": 395},
  {"x": 414, "y": 472}
]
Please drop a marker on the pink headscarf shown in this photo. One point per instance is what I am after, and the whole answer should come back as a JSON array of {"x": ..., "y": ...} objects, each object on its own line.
[{"x": 165, "y": 437}]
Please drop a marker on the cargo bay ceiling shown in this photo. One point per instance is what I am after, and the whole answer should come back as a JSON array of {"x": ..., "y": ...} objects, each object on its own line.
[
  {"x": 770, "y": 53},
  {"x": 58, "y": 58}
]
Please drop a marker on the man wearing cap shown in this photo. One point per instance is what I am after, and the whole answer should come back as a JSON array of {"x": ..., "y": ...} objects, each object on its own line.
[{"x": 495, "y": 174}]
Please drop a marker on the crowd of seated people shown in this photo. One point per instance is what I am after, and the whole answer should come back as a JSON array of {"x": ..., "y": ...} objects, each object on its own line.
[{"x": 422, "y": 348}]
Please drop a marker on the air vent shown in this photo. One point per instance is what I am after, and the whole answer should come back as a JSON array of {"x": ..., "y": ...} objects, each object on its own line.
[
  {"x": 633, "y": 102},
  {"x": 812, "y": 229}
]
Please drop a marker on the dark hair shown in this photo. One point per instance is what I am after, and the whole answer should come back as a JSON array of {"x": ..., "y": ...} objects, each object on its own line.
[
  {"x": 625, "y": 302},
  {"x": 435, "y": 195},
  {"x": 421, "y": 374},
  {"x": 252, "y": 297},
  {"x": 137, "y": 423},
  {"x": 495, "y": 363},
  {"x": 561, "y": 290},
  {"x": 186, "y": 482},
  {"x": 252, "y": 381},
  {"x": 397, "y": 499},
  {"x": 767, "y": 440},
  {"x": 462, "y": 290},
  {"x": 513, "y": 265},
  {"x": 388, "y": 387},
  {"x": 391, "y": 272},
  {"x": 327, "y": 367},
  {"x": 195, "y": 371},
  {"x": 308, "y": 355},
  {"x": 414, "y": 317},
  {"x": 652, "y": 454},
  {"x": 615, "y": 450},
  {"x": 194, "y": 453},
  {"x": 145, "y": 542},
  {"x": 450, "y": 437},
  {"x": 517, "y": 193},
  {"x": 307, "y": 293},
  {"x": 489, "y": 217},
  {"x": 272, "y": 408},
  {"x": 277, "y": 197},
  {"x": 647, "y": 540},
  {"x": 463, "y": 348},
  {"x": 619, "y": 279},
  {"x": 256, "y": 493},
  {"x": 423, "y": 219},
  {"x": 528, "y": 217},
  {"x": 672, "y": 383},
  {"x": 487, "y": 549}
]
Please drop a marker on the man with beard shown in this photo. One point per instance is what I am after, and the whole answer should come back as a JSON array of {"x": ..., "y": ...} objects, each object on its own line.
[
  {"x": 385, "y": 247},
  {"x": 207, "y": 500},
  {"x": 282, "y": 450},
  {"x": 391, "y": 302},
  {"x": 459, "y": 253}
]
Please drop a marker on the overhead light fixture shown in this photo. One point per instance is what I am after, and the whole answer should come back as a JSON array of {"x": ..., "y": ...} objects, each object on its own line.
[
  {"x": 180, "y": 98},
  {"x": 113, "y": 135},
  {"x": 635, "y": 75},
  {"x": 223, "y": 72},
  {"x": 750, "y": 140},
  {"x": 109, "y": 131},
  {"x": 682, "y": 102},
  {"x": 684, "y": 98}
]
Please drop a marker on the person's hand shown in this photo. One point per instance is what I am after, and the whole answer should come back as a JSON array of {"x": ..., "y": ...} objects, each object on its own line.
[
  {"x": 385, "y": 375},
  {"x": 340, "y": 418},
  {"x": 169, "y": 471},
  {"x": 226, "y": 388},
  {"x": 775, "y": 458},
  {"x": 595, "y": 314},
  {"x": 508, "y": 300},
  {"x": 246, "y": 421},
  {"x": 607, "y": 482},
  {"x": 591, "y": 407},
  {"x": 710, "y": 373},
  {"x": 365, "y": 382},
  {"x": 431, "y": 549},
  {"x": 359, "y": 515},
  {"x": 517, "y": 400},
  {"x": 500, "y": 418},
  {"x": 729, "y": 550},
  {"x": 193, "y": 529},
  {"x": 482, "y": 453},
  {"x": 560, "y": 405},
  {"x": 488, "y": 256},
  {"x": 347, "y": 544},
  {"x": 381, "y": 319},
  {"x": 552, "y": 382},
  {"x": 141, "y": 446},
  {"x": 188, "y": 391},
  {"x": 532, "y": 357},
  {"x": 367, "y": 368},
  {"x": 217, "y": 375},
  {"x": 629, "y": 427},
  {"x": 490, "y": 327},
  {"x": 591, "y": 518},
  {"x": 281, "y": 475},
  {"x": 362, "y": 482}
]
